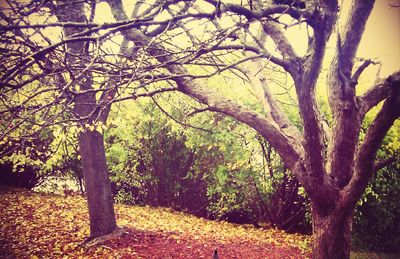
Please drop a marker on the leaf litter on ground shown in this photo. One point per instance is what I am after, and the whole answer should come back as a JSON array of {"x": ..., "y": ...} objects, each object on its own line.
[{"x": 38, "y": 225}]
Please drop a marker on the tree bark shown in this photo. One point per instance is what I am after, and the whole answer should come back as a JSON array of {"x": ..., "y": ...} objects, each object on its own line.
[
  {"x": 98, "y": 191},
  {"x": 332, "y": 233}
]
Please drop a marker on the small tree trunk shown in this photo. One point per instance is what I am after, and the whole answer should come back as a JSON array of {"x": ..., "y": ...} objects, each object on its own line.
[
  {"x": 98, "y": 191},
  {"x": 332, "y": 234}
]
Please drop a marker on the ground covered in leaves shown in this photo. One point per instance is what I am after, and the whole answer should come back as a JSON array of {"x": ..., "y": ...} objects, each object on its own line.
[{"x": 34, "y": 225}]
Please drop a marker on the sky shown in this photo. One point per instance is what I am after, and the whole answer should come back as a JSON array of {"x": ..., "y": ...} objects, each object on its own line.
[{"x": 381, "y": 40}]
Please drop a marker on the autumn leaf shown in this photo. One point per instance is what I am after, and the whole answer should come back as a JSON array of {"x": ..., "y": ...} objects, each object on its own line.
[{"x": 39, "y": 225}]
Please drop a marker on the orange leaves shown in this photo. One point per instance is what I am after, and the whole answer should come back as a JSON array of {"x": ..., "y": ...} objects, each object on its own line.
[{"x": 39, "y": 225}]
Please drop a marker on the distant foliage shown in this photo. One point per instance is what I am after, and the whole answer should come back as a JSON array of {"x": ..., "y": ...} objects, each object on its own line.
[
  {"x": 150, "y": 162},
  {"x": 21, "y": 163},
  {"x": 377, "y": 218},
  {"x": 222, "y": 170},
  {"x": 24, "y": 179}
]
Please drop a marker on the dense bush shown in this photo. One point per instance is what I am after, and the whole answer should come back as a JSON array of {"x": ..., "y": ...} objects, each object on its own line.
[
  {"x": 25, "y": 177},
  {"x": 376, "y": 224},
  {"x": 246, "y": 196},
  {"x": 150, "y": 164},
  {"x": 222, "y": 172},
  {"x": 377, "y": 221},
  {"x": 20, "y": 164}
]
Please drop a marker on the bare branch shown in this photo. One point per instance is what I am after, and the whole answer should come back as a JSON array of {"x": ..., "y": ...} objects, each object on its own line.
[
  {"x": 361, "y": 69},
  {"x": 355, "y": 26},
  {"x": 289, "y": 148},
  {"x": 186, "y": 125},
  {"x": 377, "y": 93},
  {"x": 383, "y": 163},
  {"x": 253, "y": 14},
  {"x": 365, "y": 157},
  {"x": 281, "y": 62},
  {"x": 282, "y": 43}
]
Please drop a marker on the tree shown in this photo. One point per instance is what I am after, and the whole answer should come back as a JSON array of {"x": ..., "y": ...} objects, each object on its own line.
[
  {"x": 83, "y": 107},
  {"x": 91, "y": 145},
  {"x": 334, "y": 182},
  {"x": 58, "y": 69},
  {"x": 329, "y": 159}
]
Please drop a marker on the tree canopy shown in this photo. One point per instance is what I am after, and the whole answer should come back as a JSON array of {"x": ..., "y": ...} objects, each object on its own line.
[{"x": 67, "y": 62}]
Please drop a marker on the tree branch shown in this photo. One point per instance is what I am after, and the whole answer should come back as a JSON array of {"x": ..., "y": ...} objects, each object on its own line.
[
  {"x": 365, "y": 157},
  {"x": 355, "y": 26},
  {"x": 282, "y": 43},
  {"x": 361, "y": 69},
  {"x": 383, "y": 163},
  {"x": 377, "y": 93},
  {"x": 342, "y": 95},
  {"x": 252, "y": 14},
  {"x": 286, "y": 64},
  {"x": 289, "y": 148}
]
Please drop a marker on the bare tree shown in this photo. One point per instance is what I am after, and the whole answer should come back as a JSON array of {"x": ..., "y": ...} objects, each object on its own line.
[
  {"x": 59, "y": 67},
  {"x": 331, "y": 162},
  {"x": 333, "y": 167}
]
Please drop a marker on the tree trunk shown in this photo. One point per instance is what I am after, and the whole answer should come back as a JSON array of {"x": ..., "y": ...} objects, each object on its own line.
[
  {"x": 331, "y": 233},
  {"x": 91, "y": 145},
  {"x": 98, "y": 191}
]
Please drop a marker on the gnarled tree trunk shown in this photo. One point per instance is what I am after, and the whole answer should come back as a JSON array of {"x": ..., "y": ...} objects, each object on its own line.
[{"x": 331, "y": 233}]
